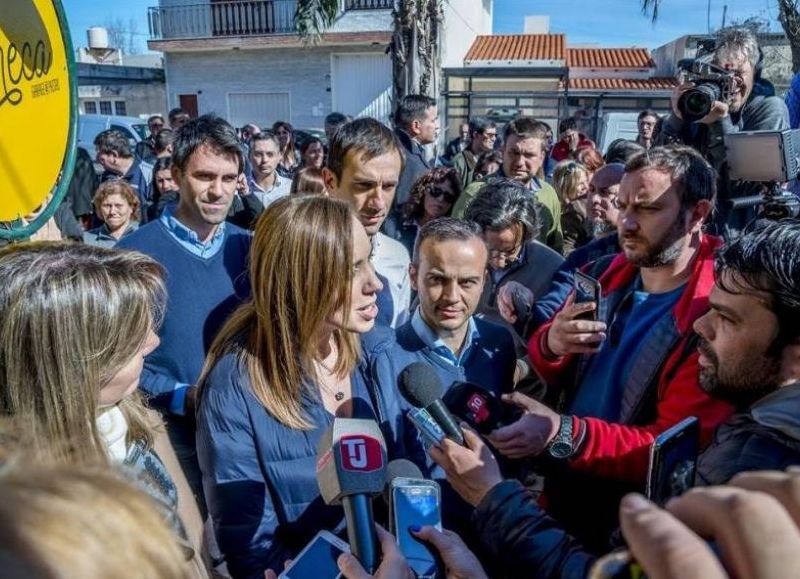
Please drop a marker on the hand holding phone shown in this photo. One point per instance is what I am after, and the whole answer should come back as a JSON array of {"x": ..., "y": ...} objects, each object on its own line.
[
  {"x": 318, "y": 559},
  {"x": 576, "y": 328},
  {"x": 416, "y": 503}
]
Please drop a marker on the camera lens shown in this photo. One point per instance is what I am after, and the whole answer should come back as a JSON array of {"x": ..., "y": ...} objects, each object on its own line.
[{"x": 696, "y": 102}]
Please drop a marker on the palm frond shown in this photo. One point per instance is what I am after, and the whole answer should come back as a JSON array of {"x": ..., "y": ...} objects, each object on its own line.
[
  {"x": 313, "y": 17},
  {"x": 651, "y": 7}
]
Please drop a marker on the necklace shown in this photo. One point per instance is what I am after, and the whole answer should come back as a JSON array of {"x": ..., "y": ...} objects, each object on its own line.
[{"x": 338, "y": 393}]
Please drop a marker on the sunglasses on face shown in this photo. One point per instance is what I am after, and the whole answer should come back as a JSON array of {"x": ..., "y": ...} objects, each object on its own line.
[{"x": 449, "y": 196}]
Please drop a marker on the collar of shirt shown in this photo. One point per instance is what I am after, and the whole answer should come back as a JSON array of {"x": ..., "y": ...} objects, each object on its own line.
[
  {"x": 437, "y": 345},
  {"x": 254, "y": 186},
  {"x": 534, "y": 184},
  {"x": 188, "y": 238}
]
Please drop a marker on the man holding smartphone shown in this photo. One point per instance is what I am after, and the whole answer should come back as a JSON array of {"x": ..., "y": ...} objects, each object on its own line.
[{"x": 632, "y": 373}]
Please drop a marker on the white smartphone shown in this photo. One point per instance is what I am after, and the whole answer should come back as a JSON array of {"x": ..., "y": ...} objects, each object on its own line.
[
  {"x": 317, "y": 560},
  {"x": 416, "y": 502}
]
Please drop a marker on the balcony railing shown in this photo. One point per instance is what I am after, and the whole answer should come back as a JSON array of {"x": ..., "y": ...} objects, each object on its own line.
[
  {"x": 368, "y": 4},
  {"x": 215, "y": 19}
]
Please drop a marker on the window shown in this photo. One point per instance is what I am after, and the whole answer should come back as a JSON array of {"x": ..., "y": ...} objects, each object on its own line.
[
  {"x": 120, "y": 109},
  {"x": 105, "y": 108},
  {"x": 90, "y": 108}
]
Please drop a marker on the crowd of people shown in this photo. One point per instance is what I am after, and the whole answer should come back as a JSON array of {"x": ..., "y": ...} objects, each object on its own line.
[{"x": 167, "y": 373}]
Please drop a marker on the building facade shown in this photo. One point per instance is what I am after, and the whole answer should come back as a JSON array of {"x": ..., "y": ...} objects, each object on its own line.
[{"x": 244, "y": 60}]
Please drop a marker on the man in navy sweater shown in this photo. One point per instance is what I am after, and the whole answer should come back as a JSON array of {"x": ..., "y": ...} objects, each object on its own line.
[{"x": 205, "y": 260}]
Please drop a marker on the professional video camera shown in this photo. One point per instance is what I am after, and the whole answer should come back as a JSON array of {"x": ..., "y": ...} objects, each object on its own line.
[
  {"x": 770, "y": 158},
  {"x": 711, "y": 82}
]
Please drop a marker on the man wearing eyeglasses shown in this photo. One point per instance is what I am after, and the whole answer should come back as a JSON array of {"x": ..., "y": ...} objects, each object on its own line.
[
  {"x": 752, "y": 106},
  {"x": 146, "y": 149},
  {"x": 483, "y": 134}
]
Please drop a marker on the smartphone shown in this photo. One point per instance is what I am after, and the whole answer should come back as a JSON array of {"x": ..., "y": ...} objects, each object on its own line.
[
  {"x": 317, "y": 560},
  {"x": 416, "y": 502},
  {"x": 431, "y": 432},
  {"x": 587, "y": 289},
  {"x": 673, "y": 461}
]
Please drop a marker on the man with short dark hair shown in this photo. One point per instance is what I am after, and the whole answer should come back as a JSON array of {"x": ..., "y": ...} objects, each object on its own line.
[
  {"x": 363, "y": 168},
  {"x": 448, "y": 271},
  {"x": 646, "y": 124},
  {"x": 206, "y": 263},
  {"x": 114, "y": 154},
  {"x": 333, "y": 121},
  {"x": 145, "y": 149},
  {"x": 177, "y": 118},
  {"x": 570, "y": 141},
  {"x": 265, "y": 155},
  {"x": 416, "y": 123},
  {"x": 524, "y": 150},
  {"x": 631, "y": 374},
  {"x": 749, "y": 343},
  {"x": 482, "y": 135}
]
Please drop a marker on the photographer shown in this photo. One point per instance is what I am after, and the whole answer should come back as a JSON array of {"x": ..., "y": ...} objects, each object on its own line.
[{"x": 751, "y": 106}]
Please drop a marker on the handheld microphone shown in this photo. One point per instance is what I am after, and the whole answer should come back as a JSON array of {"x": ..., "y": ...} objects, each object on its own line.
[
  {"x": 351, "y": 469},
  {"x": 475, "y": 405},
  {"x": 421, "y": 387}
]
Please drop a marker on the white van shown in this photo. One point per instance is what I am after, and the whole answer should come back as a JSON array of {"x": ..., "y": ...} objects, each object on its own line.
[
  {"x": 89, "y": 126},
  {"x": 617, "y": 126}
]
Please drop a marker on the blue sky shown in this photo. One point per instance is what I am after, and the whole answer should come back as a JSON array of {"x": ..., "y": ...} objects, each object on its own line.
[{"x": 601, "y": 22}]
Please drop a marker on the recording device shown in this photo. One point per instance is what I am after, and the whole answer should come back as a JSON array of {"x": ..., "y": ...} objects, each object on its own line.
[
  {"x": 420, "y": 386},
  {"x": 587, "y": 289},
  {"x": 351, "y": 469},
  {"x": 318, "y": 559},
  {"x": 673, "y": 461},
  {"x": 711, "y": 82},
  {"x": 769, "y": 158},
  {"x": 414, "y": 500},
  {"x": 475, "y": 405},
  {"x": 431, "y": 433}
]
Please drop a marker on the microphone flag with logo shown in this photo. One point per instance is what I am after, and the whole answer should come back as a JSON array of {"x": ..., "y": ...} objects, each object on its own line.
[{"x": 351, "y": 469}]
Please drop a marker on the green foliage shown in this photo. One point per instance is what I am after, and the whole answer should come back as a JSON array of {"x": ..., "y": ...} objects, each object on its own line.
[{"x": 313, "y": 17}]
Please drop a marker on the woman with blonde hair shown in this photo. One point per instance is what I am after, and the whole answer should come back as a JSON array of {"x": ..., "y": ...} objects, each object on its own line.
[
  {"x": 281, "y": 368},
  {"x": 117, "y": 205},
  {"x": 68, "y": 522},
  {"x": 571, "y": 182},
  {"x": 76, "y": 322}
]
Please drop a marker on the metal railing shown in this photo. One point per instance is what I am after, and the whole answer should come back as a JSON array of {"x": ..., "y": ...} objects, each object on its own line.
[
  {"x": 229, "y": 18},
  {"x": 368, "y": 4}
]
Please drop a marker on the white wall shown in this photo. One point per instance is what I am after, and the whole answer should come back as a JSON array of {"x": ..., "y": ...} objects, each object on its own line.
[
  {"x": 213, "y": 75},
  {"x": 464, "y": 20}
]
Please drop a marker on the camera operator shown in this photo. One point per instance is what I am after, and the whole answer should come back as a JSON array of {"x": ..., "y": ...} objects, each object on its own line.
[{"x": 750, "y": 106}]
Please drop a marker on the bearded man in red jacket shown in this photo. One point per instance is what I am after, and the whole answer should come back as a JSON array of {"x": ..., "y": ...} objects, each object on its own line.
[{"x": 632, "y": 373}]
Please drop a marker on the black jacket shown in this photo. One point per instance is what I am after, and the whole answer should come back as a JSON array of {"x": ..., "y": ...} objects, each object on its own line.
[
  {"x": 764, "y": 437},
  {"x": 516, "y": 531}
]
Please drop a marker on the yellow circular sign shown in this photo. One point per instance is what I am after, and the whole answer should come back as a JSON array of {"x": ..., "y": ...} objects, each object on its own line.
[{"x": 37, "y": 118}]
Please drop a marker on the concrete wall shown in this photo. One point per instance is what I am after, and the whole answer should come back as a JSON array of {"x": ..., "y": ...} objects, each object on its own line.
[
  {"x": 303, "y": 73},
  {"x": 464, "y": 20}
]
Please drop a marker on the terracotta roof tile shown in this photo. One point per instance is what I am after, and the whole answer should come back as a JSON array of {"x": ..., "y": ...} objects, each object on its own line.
[
  {"x": 609, "y": 58},
  {"x": 643, "y": 84},
  {"x": 518, "y": 47}
]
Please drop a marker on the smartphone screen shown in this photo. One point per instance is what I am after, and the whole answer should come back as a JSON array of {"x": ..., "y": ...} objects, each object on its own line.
[
  {"x": 416, "y": 505},
  {"x": 587, "y": 289},
  {"x": 316, "y": 561},
  {"x": 673, "y": 461}
]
